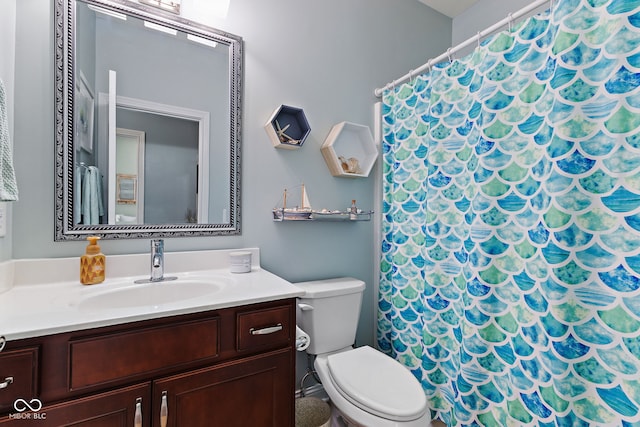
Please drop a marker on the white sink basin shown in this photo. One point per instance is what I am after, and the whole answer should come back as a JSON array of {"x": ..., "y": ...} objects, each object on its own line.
[{"x": 150, "y": 294}]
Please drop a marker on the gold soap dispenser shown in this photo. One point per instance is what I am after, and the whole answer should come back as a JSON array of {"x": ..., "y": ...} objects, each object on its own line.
[{"x": 92, "y": 263}]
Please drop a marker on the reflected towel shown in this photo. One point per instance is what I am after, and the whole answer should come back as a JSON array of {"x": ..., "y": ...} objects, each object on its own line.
[
  {"x": 77, "y": 195},
  {"x": 8, "y": 185},
  {"x": 92, "y": 208}
]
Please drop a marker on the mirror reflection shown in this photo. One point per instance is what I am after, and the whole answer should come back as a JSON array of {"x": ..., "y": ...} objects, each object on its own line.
[{"x": 154, "y": 145}]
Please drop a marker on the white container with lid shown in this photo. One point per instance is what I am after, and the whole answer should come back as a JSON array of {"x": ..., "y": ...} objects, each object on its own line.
[{"x": 240, "y": 262}]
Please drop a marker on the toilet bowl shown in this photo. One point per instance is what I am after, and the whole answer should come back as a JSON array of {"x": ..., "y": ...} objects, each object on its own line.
[
  {"x": 366, "y": 387},
  {"x": 371, "y": 389}
]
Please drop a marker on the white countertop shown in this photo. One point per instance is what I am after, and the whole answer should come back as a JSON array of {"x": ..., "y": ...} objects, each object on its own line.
[{"x": 34, "y": 306}]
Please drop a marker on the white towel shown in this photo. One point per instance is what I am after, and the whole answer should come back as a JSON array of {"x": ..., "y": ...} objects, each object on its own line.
[
  {"x": 8, "y": 185},
  {"x": 92, "y": 208}
]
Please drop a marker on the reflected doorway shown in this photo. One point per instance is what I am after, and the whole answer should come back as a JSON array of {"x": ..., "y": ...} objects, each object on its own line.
[{"x": 130, "y": 153}]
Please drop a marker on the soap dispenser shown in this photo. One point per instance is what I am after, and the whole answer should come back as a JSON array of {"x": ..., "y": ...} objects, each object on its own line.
[{"x": 92, "y": 263}]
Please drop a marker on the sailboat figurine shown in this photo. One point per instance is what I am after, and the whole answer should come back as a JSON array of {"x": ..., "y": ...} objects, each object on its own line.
[{"x": 299, "y": 212}]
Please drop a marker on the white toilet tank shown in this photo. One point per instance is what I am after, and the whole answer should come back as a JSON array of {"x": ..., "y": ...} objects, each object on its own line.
[{"x": 329, "y": 312}]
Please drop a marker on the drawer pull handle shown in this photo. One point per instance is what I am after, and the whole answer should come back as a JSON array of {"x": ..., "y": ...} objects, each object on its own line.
[
  {"x": 7, "y": 381},
  {"x": 164, "y": 410},
  {"x": 266, "y": 331},
  {"x": 137, "y": 418},
  {"x": 3, "y": 342}
]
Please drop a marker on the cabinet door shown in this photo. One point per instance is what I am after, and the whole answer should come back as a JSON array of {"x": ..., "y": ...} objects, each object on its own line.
[
  {"x": 255, "y": 391},
  {"x": 112, "y": 409},
  {"x": 18, "y": 376}
]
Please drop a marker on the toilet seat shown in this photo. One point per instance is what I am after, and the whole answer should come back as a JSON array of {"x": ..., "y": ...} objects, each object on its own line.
[{"x": 377, "y": 384}]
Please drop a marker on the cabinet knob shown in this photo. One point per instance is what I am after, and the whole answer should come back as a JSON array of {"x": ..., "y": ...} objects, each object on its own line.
[
  {"x": 7, "y": 381},
  {"x": 266, "y": 331}
]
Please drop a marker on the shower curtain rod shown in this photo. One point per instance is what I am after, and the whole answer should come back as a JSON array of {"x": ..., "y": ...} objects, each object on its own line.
[{"x": 447, "y": 55}]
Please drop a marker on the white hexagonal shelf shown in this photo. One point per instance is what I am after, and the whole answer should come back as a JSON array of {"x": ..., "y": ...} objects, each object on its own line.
[
  {"x": 349, "y": 150},
  {"x": 287, "y": 127}
]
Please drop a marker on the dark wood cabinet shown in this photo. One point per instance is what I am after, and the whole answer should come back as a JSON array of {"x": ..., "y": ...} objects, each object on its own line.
[
  {"x": 18, "y": 375},
  {"x": 109, "y": 409},
  {"x": 250, "y": 392},
  {"x": 229, "y": 367}
]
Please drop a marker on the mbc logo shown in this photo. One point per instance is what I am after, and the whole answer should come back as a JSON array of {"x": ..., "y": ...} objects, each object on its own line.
[
  {"x": 33, "y": 405},
  {"x": 22, "y": 405}
]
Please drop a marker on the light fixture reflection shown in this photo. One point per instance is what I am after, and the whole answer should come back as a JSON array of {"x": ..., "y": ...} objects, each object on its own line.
[
  {"x": 107, "y": 12},
  {"x": 202, "y": 40},
  {"x": 160, "y": 28},
  {"x": 172, "y": 6}
]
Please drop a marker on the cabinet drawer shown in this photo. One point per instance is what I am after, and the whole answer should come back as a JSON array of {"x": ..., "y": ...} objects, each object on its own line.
[
  {"x": 22, "y": 367},
  {"x": 262, "y": 329},
  {"x": 121, "y": 356}
]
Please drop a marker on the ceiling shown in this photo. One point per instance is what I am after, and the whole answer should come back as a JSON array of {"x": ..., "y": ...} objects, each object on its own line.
[{"x": 451, "y": 8}]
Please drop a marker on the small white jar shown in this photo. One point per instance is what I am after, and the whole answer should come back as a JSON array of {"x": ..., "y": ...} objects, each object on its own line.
[{"x": 240, "y": 262}]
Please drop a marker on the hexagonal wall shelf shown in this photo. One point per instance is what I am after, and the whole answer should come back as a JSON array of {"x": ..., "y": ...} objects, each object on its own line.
[
  {"x": 349, "y": 150},
  {"x": 287, "y": 127}
]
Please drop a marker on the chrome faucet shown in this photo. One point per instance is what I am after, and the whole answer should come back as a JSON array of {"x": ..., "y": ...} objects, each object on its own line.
[
  {"x": 157, "y": 263},
  {"x": 157, "y": 260}
]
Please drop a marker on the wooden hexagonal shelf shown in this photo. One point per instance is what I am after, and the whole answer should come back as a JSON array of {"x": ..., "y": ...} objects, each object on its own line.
[
  {"x": 349, "y": 150},
  {"x": 287, "y": 127}
]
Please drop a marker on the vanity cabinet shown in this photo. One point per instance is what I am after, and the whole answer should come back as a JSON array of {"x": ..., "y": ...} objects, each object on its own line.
[{"x": 229, "y": 367}]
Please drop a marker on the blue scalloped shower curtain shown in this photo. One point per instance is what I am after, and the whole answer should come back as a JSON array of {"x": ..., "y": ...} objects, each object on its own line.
[{"x": 510, "y": 271}]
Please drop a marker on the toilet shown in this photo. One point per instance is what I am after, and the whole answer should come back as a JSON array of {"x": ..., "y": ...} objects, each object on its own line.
[{"x": 366, "y": 387}]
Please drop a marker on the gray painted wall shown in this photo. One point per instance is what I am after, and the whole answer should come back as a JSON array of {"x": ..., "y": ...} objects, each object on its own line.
[{"x": 326, "y": 57}]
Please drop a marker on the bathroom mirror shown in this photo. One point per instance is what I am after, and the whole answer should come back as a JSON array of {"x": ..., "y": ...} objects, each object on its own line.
[{"x": 148, "y": 123}]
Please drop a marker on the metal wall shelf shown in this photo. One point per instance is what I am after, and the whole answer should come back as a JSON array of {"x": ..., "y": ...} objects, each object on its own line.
[{"x": 281, "y": 215}]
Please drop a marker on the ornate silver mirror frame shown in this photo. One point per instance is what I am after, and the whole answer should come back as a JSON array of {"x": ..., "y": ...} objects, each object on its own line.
[{"x": 65, "y": 80}]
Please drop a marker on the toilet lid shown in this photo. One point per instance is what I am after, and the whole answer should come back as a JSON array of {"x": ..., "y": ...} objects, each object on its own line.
[{"x": 378, "y": 384}]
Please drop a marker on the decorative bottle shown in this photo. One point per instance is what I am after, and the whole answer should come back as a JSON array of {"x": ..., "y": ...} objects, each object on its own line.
[
  {"x": 92, "y": 263},
  {"x": 353, "y": 211}
]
